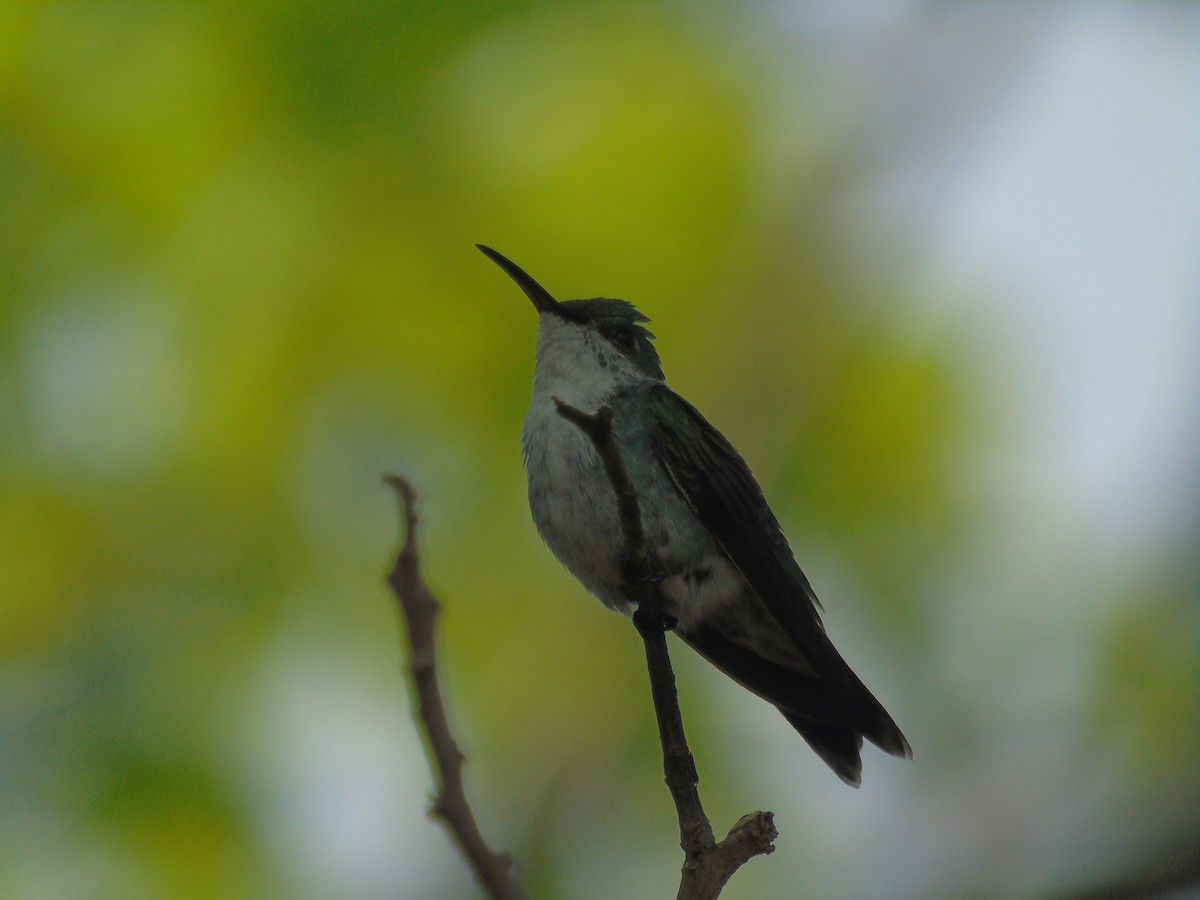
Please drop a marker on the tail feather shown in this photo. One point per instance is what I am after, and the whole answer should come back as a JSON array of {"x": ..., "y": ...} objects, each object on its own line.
[
  {"x": 834, "y": 730},
  {"x": 839, "y": 746}
]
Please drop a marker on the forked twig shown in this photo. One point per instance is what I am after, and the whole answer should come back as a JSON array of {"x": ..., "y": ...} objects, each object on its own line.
[{"x": 707, "y": 865}]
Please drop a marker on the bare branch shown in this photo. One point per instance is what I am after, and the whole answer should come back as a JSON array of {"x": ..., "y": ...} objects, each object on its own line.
[
  {"x": 419, "y": 608},
  {"x": 707, "y": 865}
]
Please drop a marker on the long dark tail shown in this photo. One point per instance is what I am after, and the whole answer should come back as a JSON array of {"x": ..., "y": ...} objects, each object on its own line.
[{"x": 834, "y": 730}]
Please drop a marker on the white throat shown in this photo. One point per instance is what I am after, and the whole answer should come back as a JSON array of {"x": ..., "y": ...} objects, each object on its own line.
[{"x": 577, "y": 365}]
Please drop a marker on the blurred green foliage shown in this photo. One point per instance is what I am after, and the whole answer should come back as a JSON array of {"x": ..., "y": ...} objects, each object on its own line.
[{"x": 237, "y": 283}]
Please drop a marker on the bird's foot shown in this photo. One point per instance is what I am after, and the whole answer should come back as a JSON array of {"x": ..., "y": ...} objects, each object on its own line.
[{"x": 638, "y": 575}]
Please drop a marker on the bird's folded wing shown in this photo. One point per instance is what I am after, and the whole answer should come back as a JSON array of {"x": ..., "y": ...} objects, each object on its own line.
[{"x": 717, "y": 485}]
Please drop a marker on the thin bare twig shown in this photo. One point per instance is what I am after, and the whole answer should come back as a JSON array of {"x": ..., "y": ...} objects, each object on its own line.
[
  {"x": 707, "y": 865},
  {"x": 419, "y": 608}
]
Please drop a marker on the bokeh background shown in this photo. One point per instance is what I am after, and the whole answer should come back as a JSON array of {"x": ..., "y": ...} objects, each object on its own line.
[{"x": 933, "y": 267}]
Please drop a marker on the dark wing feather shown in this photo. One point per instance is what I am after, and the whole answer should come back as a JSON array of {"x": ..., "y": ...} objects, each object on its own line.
[{"x": 716, "y": 483}]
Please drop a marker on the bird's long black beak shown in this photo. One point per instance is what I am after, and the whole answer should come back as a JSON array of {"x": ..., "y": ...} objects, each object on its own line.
[{"x": 541, "y": 298}]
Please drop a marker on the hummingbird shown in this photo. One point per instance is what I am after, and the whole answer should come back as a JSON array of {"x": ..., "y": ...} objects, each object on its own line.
[{"x": 727, "y": 577}]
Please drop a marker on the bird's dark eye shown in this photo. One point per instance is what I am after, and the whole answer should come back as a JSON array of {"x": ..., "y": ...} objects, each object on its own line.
[{"x": 623, "y": 339}]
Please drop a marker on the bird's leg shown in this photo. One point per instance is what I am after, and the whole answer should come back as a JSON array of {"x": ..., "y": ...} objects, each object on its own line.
[
  {"x": 641, "y": 573},
  {"x": 642, "y": 578}
]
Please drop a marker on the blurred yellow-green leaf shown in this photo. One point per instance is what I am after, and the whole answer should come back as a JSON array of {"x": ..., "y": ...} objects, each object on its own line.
[{"x": 930, "y": 268}]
